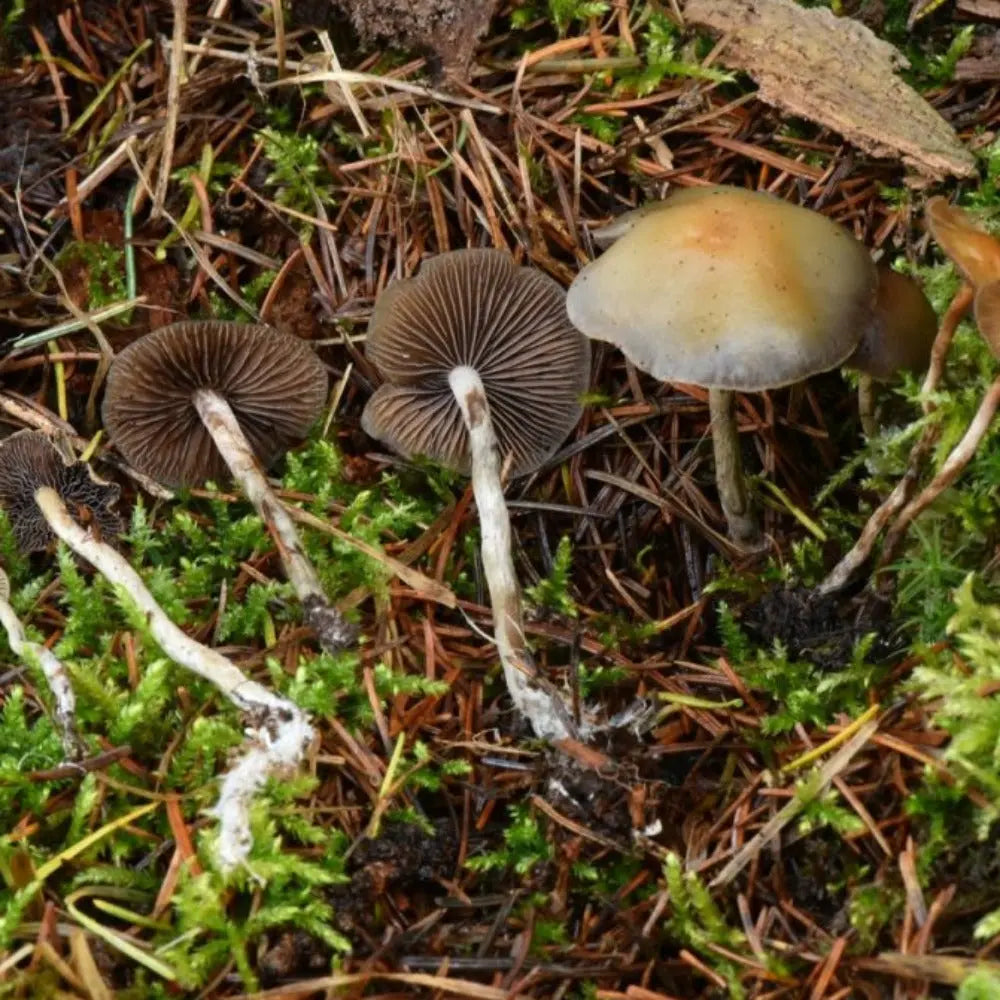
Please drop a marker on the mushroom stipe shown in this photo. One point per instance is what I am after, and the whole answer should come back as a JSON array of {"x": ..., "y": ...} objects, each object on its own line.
[
  {"x": 64, "y": 707},
  {"x": 333, "y": 631},
  {"x": 533, "y": 696},
  {"x": 480, "y": 362},
  {"x": 280, "y": 732}
]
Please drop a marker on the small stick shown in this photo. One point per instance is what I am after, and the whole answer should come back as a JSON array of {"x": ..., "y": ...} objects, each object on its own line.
[
  {"x": 283, "y": 732},
  {"x": 858, "y": 555},
  {"x": 957, "y": 308},
  {"x": 335, "y": 633},
  {"x": 957, "y": 460},
  {"x": 55, "y": 672},
  {"x": 541, "y": 706}
]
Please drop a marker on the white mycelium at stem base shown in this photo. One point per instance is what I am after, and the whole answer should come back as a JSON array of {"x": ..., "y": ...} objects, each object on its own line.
[
  {"x": 282, "y": 732},
  {"x": 334, "y": 632},
  {"x": 547, "y": 714},
  {"x": 55, "y": 673}
]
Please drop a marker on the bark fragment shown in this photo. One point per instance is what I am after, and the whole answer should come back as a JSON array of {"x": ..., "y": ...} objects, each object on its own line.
[{"x": 835, "y": 72}]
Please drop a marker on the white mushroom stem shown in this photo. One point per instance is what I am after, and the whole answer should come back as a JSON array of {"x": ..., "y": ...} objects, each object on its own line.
[
  {"x": 729, "y": 478},
  {"x": 537, "y": 702},
  {"x": 282, "y": 731},
  {"x": 333, "y": 630},
  {"x": 64, "y": 708}
]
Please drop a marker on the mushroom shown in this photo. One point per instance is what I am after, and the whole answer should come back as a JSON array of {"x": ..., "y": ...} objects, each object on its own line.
[
  {"x": 976, "y": 254},
  {"x": 28, "y": 461},
  {"x": 483, "y": 372},
  {"x": 732, "y": 290},
  {"x": 897, "y": 338},
  {"x": 52, "y": 667},
  {"x": 192, "y": 400},
  {"x": 281, "y": 732}
]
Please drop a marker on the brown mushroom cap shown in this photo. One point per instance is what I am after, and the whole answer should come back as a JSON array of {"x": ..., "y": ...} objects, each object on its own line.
[
  {"x": 475, "y": 308},
  {"x": 901, "y": 331},
  {"x": 28, "y": 461},
  {"x": 987, "y": 312},
  {"x": 729, "y": 289},
  {"x": 975, "y": 253},
  {"x": 274, "y": 383}
]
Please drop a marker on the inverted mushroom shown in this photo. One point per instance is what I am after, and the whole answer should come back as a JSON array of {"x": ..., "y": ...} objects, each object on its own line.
[
  {"x": 483, "y": 372},
  {"x": 193, "y": 400},
  {"x": 731, "y": 290},
  {"x": 28, "y": 461},
  {"x": 281, "y": 731}
]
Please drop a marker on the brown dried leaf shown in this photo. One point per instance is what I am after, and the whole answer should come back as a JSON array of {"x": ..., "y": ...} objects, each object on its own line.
[{"x": 833, "y": 71}]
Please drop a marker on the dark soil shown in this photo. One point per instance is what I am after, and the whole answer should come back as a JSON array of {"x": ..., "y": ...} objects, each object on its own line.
[{"x": 822, "y": 629}]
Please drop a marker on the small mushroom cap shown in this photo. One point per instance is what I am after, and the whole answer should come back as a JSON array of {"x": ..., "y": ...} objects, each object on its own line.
[
  {"x": 974, "y": 252},
  {"x": 728, "y": 289},
  {"x": 476, "y": 308},
  {"x": 29, "y": 461},
  {"x": 901, "y": 331},
  {"x": 274, "y": 383},
  {"x": 987, "y": 312}
]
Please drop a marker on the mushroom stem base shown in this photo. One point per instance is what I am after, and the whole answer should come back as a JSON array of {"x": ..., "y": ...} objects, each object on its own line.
[
  {"x": 729, "y": 478},
  {"x": 333, "y": 630},
  {"x": 64, "y": 707},
  {"x": 537, "y": 701},
  {"x": 280, "y": 732}
]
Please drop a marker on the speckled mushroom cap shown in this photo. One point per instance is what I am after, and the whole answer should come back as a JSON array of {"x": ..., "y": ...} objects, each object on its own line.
[
  {"x": 975, "y": 253},
  {"x": 901, "y": 331},
  {"x": 476, "y": 308},
  {"x": 29, "y": 461},
  {"x": 728, "y": 289},
  {"x": 274, "y": 383}
]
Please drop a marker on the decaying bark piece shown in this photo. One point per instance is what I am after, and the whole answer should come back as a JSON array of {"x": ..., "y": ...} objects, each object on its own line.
[
  {"x": 448, "y": 29},
  {"x": 833, "y": 71}
]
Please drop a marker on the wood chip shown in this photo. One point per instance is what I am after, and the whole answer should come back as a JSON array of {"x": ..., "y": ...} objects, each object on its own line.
[
  {"x": 835, "y": 72},
  {"x": 979, "y": 10}
]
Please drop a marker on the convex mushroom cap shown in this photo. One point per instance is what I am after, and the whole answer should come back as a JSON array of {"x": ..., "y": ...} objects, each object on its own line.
[
  {"x": 976, "y": 254},
  {"x": 900, "y": 332},
  {"x": 475, "y": 308},
  {"x": 274, "y": 383},
  {"x": 727, "y": 288},
  {"x": 29, "y": 461}
]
